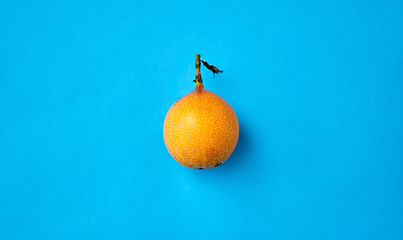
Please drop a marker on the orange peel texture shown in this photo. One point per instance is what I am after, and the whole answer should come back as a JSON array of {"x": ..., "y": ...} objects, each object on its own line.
[{"x": 201, "y": 129}]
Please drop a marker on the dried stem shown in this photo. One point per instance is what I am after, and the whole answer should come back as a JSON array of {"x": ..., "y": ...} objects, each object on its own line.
[{"x": 198, "y": 74}]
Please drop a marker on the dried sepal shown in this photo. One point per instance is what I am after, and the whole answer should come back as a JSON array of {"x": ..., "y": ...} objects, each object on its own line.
[{"x": 212, "y": 68}]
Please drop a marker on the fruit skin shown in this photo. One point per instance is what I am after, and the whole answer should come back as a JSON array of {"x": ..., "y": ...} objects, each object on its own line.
[{"x": 201, "y": 129}]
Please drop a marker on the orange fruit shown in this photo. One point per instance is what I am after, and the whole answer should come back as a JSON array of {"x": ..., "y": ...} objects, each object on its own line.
[{"x": 201, "y": 129}]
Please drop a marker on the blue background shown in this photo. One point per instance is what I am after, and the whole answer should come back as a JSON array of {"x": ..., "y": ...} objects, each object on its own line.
[{"x": 317, "y": 87}]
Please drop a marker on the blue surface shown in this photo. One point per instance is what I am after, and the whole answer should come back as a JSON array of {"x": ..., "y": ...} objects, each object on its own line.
[{"x": 317, "y": 87}]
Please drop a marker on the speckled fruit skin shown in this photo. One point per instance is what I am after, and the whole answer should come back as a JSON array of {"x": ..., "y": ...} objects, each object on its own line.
[{"x": 201, "y": 129}]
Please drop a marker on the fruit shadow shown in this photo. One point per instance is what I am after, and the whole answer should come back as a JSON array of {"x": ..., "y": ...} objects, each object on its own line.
[
  {"x": 243, "y": 169},
  {"x": 238, "y": 158}
]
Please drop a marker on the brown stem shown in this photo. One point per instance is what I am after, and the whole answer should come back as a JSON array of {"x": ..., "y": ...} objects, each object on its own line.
[{"x": 198, "y": 74}]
